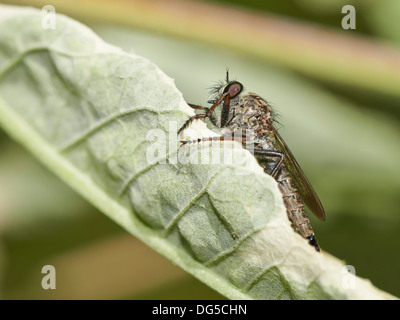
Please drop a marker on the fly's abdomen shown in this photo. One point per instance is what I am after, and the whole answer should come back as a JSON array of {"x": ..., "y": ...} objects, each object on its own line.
[{"x": 295, "y": 206}]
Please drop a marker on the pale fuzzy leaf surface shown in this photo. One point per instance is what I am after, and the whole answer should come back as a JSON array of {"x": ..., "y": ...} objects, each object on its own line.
[{"x": 105, "y": 121}]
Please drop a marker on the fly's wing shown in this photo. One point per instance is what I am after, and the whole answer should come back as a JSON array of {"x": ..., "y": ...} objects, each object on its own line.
[{"x": 304, "y": 187}]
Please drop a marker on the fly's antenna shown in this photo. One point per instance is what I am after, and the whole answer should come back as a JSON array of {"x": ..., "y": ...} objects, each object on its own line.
[{"x": 227, "y": 74}]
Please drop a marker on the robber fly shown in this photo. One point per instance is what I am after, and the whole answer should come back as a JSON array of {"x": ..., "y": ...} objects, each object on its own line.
[{"x": 252, "y": 118}]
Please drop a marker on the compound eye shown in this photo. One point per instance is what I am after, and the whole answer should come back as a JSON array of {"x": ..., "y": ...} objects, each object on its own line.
[{"x": 234, "y": 89}]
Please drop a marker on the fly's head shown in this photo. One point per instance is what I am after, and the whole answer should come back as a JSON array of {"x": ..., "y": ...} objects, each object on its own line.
[{"x": 232, "y": 89}]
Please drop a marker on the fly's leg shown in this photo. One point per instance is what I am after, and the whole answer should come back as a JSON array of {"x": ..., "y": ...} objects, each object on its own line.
[
  {"x": 213, "y": 139},
  {"x": 266, "y": 155},
  {"x": 190, "y": 120},
  {"x": 209, "y": 112},
  {"x": 211, "y": 115},
  {"x": 196, "y": 106}
]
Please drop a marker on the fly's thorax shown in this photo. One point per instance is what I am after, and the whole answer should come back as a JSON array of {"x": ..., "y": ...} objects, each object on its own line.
[
  {"x": 254, "y": 102},
  {"x": 256, "y": 115}
]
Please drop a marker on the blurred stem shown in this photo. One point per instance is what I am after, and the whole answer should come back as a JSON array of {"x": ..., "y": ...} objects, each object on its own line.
[{"x": 333, "y": 56}]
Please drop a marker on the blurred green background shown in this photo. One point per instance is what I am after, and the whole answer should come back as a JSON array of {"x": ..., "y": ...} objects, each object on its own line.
[{"x": 338, "y": 93}]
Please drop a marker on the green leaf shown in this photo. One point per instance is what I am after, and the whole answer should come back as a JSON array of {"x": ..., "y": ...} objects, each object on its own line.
[{"x": 105, "y": 122}]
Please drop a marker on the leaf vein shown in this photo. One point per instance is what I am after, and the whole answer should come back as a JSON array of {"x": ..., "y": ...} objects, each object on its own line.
[{"x": 97, "y": 126}]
